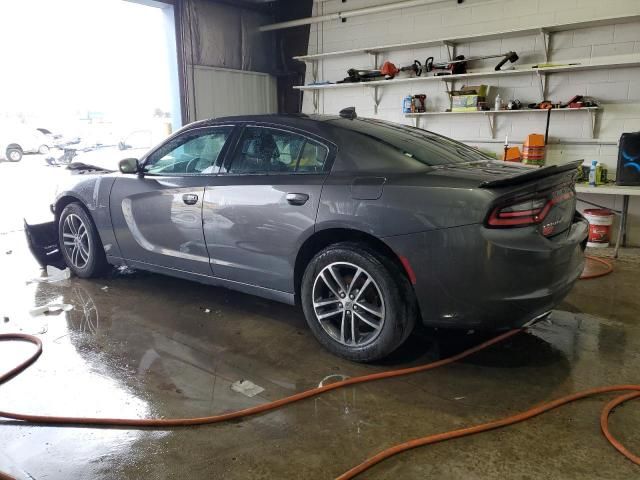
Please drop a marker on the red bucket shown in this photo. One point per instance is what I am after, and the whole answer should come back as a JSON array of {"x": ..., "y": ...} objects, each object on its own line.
[{"x": 600, "y": 221}]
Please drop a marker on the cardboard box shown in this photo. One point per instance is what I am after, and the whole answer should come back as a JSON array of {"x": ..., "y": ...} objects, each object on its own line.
[{"x": 467, "y": 98}]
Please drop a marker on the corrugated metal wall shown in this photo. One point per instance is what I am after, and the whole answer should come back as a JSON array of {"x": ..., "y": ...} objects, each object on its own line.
[
  {"x": 222, "y": 92},
  {"x": 227, "y": 63}
]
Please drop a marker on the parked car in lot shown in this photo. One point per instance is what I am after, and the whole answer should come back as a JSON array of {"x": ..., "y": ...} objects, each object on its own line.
[
  {"x": 16, "y": 140},
  {"x": 370, "y": 226},
  {"x": 107, "y": 157}
]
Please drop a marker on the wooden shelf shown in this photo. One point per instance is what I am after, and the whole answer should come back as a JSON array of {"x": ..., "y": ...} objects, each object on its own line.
[
  {"x": 552, "y": 141},
  {"x": 490, "y": 115},
  {"x": 545, "y": 31},
  {"x": 451, "y": 41},
  {"x": 626, "y": 61},
  {"x": 630, "y": 61},
  {"x": 500, "y": 112}
]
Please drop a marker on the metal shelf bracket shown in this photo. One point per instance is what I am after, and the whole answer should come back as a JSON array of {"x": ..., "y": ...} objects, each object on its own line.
[
  {"x": 546, "y": 38},
  {"x": 451, "y": 50},
  {"x": 542, "y": 85},
  {"x": 492, "y": 124},
  {"x": 376, "y": 95},
  {"x": 593, "y": 114},
  {"x": 449, "y": 88},
  {"x": 375, "y": 56}
]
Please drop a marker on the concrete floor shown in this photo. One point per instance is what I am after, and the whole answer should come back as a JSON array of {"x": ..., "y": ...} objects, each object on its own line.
[{"x": 142, "y": 345}]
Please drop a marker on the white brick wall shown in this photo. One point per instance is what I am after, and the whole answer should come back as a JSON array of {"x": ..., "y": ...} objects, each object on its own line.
[{"x": 617, "y": 90}]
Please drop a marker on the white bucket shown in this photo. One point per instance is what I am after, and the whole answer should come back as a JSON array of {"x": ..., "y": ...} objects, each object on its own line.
[{"x": 600, "y": 221}]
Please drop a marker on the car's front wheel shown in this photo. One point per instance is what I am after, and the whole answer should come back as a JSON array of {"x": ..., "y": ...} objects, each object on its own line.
[
  {"x": 14, "y": 154},
  {"x": 43, "y": 149},
  {"x": 80, "y": 243},
  {"x": 358, "y": 303}
]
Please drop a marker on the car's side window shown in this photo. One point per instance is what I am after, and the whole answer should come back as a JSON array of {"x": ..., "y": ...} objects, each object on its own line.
[
  {"x": 193, "y": 153},
  {"x": 267, "y": 151},
  {"x": 313, "y": 157}
]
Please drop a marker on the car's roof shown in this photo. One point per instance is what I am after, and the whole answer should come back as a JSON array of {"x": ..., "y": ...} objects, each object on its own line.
[
  {"x": 273, "y": 117},
  {"x": 283, "y": 119},
  {"x": 324, "y": 126}
]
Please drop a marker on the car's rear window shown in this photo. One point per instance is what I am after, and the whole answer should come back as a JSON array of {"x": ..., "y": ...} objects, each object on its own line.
[{"x": 414, "y": 143}]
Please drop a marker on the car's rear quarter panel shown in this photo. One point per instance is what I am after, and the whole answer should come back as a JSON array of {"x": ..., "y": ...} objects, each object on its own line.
[{"x": 474, "y": 277}]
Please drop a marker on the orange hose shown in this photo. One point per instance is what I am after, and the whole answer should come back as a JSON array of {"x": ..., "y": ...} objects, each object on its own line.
[
  {"x": 181, "y": 422},
  {"x": 503, "y": 422},
  {"x": 604, "y": 262},
  {"x": 510, "y": 420}
]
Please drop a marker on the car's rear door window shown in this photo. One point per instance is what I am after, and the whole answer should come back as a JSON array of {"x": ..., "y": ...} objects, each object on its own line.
[
  {"x": 195, "y": 152},
  {"x": 404, "y": 143},
  {"x": 264, "y": 150}
]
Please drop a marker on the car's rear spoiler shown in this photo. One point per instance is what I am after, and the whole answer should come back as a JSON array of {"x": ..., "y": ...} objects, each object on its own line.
[{"x": 532, "y": 175}]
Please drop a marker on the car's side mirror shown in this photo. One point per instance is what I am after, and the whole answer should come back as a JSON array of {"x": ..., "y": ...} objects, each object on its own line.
[{"x": 129, "y": 165}]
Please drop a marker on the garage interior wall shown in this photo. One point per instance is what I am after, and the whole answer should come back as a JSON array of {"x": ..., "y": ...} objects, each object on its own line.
[
  {"x": 227, "y": 64},
  {"x": 616, "y": 90}
]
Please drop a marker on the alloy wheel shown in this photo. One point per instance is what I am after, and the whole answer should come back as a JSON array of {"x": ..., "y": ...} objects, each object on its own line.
[
  {"x": 76, "y": 240},
  {"x": 14, "y": 155},
  {"x": 348, "y": 304}
]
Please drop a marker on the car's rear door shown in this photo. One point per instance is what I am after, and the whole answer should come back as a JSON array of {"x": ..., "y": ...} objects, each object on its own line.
[
  {"x": 263, "y": 204},
  {"x": 157, "y": 215}
]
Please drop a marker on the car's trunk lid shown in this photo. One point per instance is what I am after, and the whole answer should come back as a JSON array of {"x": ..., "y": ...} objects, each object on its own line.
[
  {"x": 512, "y": 183},
  {"x": 509, "y": 176},
  {"x": 554, "y": 183}
]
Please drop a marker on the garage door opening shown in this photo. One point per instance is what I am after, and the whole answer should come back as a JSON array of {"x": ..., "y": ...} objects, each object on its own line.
[{"x": 87, "y": 76}]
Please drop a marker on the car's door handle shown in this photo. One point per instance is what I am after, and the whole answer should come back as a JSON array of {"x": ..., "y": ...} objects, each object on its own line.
[
  {"x": 297, "y": 198},
  {"x": 190, "y": 198}
]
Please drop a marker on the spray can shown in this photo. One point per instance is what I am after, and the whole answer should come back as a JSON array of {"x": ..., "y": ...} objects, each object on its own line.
[
  {"x": 406, "y": 104},
  {"x": 600, "y": 174},
  {"x": 592, "y": 173}
]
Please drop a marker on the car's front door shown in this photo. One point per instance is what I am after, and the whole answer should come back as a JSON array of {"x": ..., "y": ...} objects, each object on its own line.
[
  {"x": 263, "y": 203},
  {"x": 157, "y": 215}
]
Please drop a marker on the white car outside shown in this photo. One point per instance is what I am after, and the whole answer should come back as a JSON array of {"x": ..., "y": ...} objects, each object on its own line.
[{"x": 16, "y": 140}]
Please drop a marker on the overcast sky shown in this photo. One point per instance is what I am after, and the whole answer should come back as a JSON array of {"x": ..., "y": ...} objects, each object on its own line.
[{"x": 59, "y": 57}]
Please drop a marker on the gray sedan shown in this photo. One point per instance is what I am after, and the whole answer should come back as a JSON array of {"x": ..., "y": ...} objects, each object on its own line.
[{"x": 369, "y": 226}]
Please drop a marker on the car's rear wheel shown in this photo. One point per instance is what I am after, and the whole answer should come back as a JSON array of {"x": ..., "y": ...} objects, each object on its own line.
[
  {"x": 357, "y": 302},
  {"x": 80, "y": 243},
  {"x": 14, "y": 154}
]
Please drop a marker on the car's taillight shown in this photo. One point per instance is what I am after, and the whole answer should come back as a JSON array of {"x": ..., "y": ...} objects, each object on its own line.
[{"x": 526, "y": 212}]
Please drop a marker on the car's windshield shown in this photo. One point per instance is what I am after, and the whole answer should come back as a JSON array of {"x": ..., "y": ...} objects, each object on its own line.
[{"x": 426, "y": 147}]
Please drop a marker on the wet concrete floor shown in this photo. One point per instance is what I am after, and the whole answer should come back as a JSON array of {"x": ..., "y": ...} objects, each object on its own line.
[{"x": 143, "y": 345}]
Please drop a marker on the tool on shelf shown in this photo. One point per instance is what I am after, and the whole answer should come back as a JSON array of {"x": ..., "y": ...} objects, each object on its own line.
[
  {"x": 514, "y": 105},
  {"x": 552, "y": 65},
  {"x": 414, "y": 104},
  {"x": 459, "y": 64},
  {"x": 388, "y": 71}
]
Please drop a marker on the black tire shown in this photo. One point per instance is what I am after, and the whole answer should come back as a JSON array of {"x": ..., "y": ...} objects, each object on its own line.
[
  {"x": 399, "y": 303},
  {"x": 14, "y": 154},
  {"x": 96, "y": 262}
]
